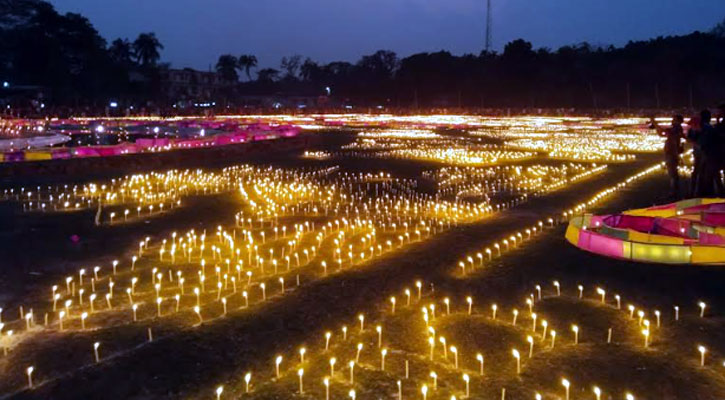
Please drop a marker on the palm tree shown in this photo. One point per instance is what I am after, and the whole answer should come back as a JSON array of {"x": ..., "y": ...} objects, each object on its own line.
[
  {"x": 120, "y": 52},
  {"x": 227, "y": 67},
  {"x": 146, "y": 47},
  {"x": 246, "y": 62}
]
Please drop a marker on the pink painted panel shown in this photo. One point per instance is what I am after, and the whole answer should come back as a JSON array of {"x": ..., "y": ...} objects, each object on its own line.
[
  {"x": 714, "y": 218},
  {"x": 709, "y": 238},
  {"x": 606, "y": 245}
]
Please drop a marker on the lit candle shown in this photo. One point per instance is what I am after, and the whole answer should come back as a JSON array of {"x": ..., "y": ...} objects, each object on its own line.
[
  {"x": 517, "y": 356},
  {"x": 96, "y": 345},
  {"x": 566, "y": 384},
  {"x": 29, "y": 372},
  {"x": 301, "y": 373},
  {"x": 277, "y": 362}
]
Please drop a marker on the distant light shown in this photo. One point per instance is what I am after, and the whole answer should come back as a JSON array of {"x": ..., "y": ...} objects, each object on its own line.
[
  {"x": 100, "y": 129},
  {"x": 113, "y": 104},
  {"x": 348, "y": 107},
  {"x": 202, "y": 133},
  {"x": 328, "y": 90},
  {"x": 42, "y": 105},
  {"x": 156, "y": 129},
  {"x": 6, "y": 84}
]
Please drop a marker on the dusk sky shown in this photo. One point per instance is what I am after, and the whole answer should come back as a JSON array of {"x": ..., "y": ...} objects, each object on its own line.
[{"x": 196, "y": 32}]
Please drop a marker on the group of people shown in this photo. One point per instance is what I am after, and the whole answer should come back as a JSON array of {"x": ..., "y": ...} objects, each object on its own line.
[{"x": 708, "y": 145}]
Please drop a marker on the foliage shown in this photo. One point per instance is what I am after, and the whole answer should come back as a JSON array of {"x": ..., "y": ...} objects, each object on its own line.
[{"x": 66, "y": 55}]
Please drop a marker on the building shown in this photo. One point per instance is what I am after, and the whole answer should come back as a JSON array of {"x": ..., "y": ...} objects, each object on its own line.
[{"x": 191, "y": 85}]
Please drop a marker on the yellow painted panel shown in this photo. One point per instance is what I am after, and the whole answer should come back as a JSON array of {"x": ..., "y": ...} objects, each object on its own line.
[
  {"x": 661, "y": 253},
  {"x": 649, "y": 238},
  {"x": 37, "y": 155},
  {"x": 572, "y": 234},
  {"x": 627, "y": 249},
  {"x": 643, "y": 212},
  {"x": 708, "y": 255},
  {"x": 710, "y": 201}
]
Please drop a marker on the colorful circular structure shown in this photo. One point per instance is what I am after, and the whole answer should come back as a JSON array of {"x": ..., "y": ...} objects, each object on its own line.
[{"x": 686, "y": 232}]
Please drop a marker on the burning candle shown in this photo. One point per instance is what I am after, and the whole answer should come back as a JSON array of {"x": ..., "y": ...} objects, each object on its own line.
[
  {"x": 597, "y": 393},
  {"x": 96, "y": 345},
  {"x": 517, "y": 356},
  {"x": 29, "y": 372},
  {"x": 301, "y": 373},
  {"x": 277, "y": 362},
  {"x": 566, "y": 384},
  {"x": 602, "y": 293}
]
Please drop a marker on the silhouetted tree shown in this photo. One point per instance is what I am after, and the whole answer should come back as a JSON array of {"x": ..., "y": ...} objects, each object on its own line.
[
  {"x": 268, "y": 75},
  {"x": 246, "y": 62},
  {"x": 121, "y": 52},
  {"x": 290, "y": 65},
  {"x": 719, "y": 29},
  {"x": 146, "y": 48},
  {"x": 226, "y": 66}
]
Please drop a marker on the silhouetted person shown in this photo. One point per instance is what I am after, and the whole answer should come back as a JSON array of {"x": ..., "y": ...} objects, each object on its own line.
[
  {"x": 673, "y": 149},
  {"x": 695, "y": 126},
  {"x": 709, "y": 143},
  {"x": 720, "y": 134}
]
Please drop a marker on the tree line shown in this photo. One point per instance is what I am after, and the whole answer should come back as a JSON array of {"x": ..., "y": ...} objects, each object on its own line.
[{"x": 65, "y": 54}]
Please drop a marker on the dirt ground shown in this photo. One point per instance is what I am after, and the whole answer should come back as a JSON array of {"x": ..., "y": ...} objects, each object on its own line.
[{"x": 190, "y": 362}]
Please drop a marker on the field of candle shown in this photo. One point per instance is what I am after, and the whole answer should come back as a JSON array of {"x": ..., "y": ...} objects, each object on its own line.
[{"x": 423, "y": 260}]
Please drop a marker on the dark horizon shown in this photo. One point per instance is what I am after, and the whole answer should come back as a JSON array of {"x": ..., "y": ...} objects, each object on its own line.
[{"x": 195, "y": 34}]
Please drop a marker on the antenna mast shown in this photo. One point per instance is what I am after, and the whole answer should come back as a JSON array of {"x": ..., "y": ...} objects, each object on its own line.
[{"x": 488, "y": 26}]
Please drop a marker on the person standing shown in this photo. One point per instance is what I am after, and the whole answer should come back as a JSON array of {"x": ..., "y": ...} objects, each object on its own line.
[
  {"x": 673, "y": 149},
  {"x": 709, "y": 142}
]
